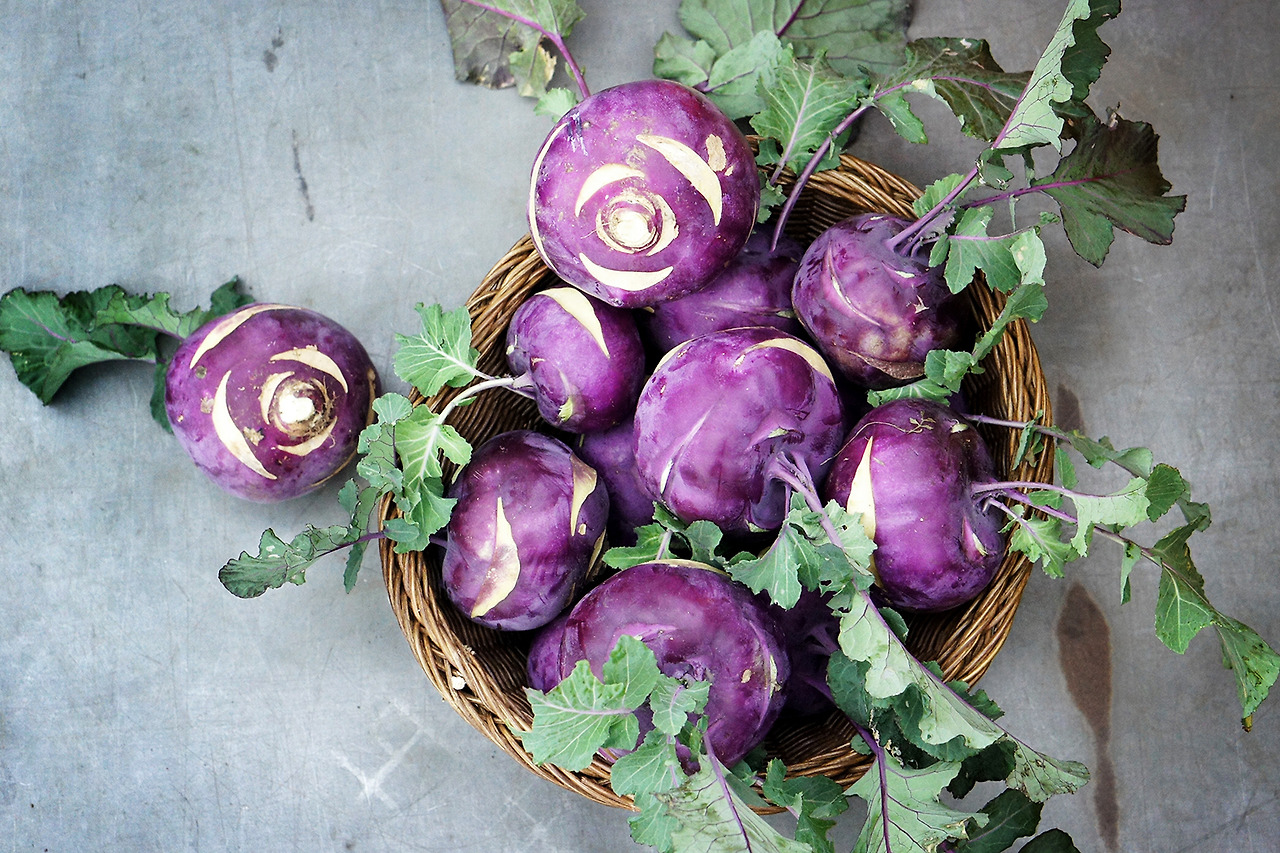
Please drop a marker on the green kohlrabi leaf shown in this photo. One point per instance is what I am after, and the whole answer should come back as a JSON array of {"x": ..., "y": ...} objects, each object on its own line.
[
  {"x": 1006, "y": 261},
  {"x": 1125, "y": 508},
  {"x": 1051, "y": 841},
  {"x": 816, "y": 801},
  {"x": 958, "y": 71},
  {"x": 1059, "y": 76},
  {"x": 583, "y": 714},
  {"x": 153, "y": 311},
  {"x": 49, "y": 337},
  {"x": 854, "y": 34},
  {"x": 497, "y": 43},
  {"x": 1111, "y": 178},
  {"x": 942, "y": 716},
  {"x": 705, "y": 813},
  {"x": 804, "y": 104},
  {"x": 441, "y": 354},
  {"x": 1009, "y": 816},
  {"x": 905, "y": 813},
  {"x": 652, "y": 766},
  {"x": 278, "y": 562}
]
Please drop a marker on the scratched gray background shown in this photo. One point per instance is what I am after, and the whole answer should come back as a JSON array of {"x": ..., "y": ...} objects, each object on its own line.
[{"x": 323, "y": 152}]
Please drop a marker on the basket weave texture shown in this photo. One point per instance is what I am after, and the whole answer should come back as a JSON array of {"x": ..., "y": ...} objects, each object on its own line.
[{"x": 481, "y": 672}]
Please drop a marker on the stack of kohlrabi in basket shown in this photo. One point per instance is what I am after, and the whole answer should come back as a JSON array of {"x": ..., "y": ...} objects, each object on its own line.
[{"x": 768, "y": 440}]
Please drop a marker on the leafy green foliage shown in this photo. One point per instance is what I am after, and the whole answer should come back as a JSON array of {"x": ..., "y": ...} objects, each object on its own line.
[
  {"x": 584, "y": 714},
  {"x": 959, "y": 71},
  {"x": 499, "y": 43},
  {"x": 1054, "y": 81},
  {"x": 803, "y": 105},
  {"x": 733, "y": 46},
  {"x": 705, "y": 813},
  {"x": 906, "y": 812},
  {"x": 1054, "y": 538},
  {"x": 1009, "y": 817},
  {"x": 48, "y": 337},
  {"x": 439, "y": 355},
  {"x": 1111, "y": 178}
]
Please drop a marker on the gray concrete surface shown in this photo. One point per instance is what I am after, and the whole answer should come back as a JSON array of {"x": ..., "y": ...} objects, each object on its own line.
[{"x": 323, "y": 152}]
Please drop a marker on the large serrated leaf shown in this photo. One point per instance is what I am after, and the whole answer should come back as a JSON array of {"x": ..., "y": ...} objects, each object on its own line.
[{"x": 1111, "y": 178}]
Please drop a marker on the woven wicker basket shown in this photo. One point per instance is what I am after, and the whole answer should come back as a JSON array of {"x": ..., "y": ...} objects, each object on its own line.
[{"x": 481, "y": 672}]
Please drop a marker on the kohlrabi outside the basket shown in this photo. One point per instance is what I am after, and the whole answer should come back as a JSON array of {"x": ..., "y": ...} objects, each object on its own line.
[{"x": 270, "y": 400}]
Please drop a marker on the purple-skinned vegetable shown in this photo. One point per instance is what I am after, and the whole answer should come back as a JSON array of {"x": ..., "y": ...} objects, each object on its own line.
[
  {"x": 642, "y": 192},
  {"x": 874, "y": 312},
  {"x": 269, "y": 401},
  {"x": 544, "y": 668},
  {"x": 527, "y": 526},
  {"x": 701, "y": 626},
  {"x": 910, "y": 468},
  {"x": 583, "y": 357},
  {"x": 810, "y": 631},
  {"x": 612, "y": 452},
  {"x": 720, "y": 411},
  {"x": 753, "y": 290}
]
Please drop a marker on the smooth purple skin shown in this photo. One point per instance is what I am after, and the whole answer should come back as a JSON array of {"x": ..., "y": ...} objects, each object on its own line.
[
  {"x": 649, "y": 183},
  {"x": 584, "y": 357},
  {"x": 936, "y": 547},
  {"x": 523, "y": 580},
  {"x": 612, "y": 453},
  {"x": 719, "y": 409},
  {"x": 544, "y": 669},
  {"x": 699, "y": 624},
  {"x": 753, "y": 290},
  {"x": 245, "y": 354},
  {"x": 874, "y": 313},
  {"x": 810, "y": 631}
]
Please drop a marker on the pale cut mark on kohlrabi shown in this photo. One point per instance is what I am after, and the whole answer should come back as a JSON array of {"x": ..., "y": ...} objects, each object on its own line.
[
  {"x": 268, "y": 393},
  {"x": 828, "y": 265},
  {"x": 678, "y": 451},
  {"x": 585, "y": 481},
  {"x": 503, "y": 571},
  {"x": 632, "y": 281},
  {"x": 716, "y": 157},
  {"x": 310, "y": 444},
  {"x": 609, "y": 173},
  {"x": 228, "y": 325},
  {"x": 634, "y": 221},
  {"x": 312, "y": 357},
  {"x": 860, "y": 499},
  {"x": 800, "y": 348},
  {"x": 695, "y": 169},
  {"x": 577, "y": 306},
  {"x": 224, "y": 426}
]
